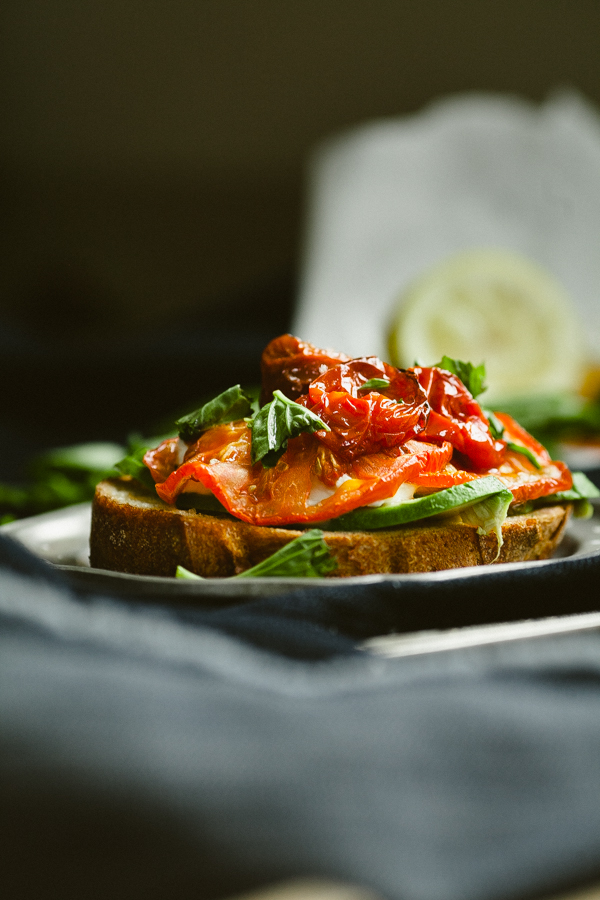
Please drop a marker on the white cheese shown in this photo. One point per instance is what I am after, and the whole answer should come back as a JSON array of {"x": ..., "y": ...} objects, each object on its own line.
[
  {"x": 180, "y": 451},
  {"x": 195, "y": 487},
  {"x": 406, "y": 491}
]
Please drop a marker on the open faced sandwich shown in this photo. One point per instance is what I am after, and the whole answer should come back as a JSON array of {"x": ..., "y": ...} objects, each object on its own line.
[{"x": 367, "y": 468}]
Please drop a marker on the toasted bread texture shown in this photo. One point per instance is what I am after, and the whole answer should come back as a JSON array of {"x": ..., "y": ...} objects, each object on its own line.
[{"x": 134, "y": 531}]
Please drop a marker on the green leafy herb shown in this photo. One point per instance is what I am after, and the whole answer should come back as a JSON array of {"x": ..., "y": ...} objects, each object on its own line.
[
  {"x": 133, "y": 465},
  {"x": 524, "y": 451},
  {"x": 496, "y": 426},
  {"x": 183, "y": 573},
  {"x": 307, "y": 556},
  {"x": 275, "y": 423},
  {"x": 234, "y": 403},
  {"x": 58, "y": 478},
  {"x": 94, "y": 458},
  {"x": 375, "y": 384},
  {"x": 473, "y": 377},
  {"x": 557, "y": 414},
  {"x": 580, "y": 494}
]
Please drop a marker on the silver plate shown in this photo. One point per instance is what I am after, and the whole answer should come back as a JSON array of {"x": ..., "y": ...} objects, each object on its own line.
[{"x": 62, "y": 538}]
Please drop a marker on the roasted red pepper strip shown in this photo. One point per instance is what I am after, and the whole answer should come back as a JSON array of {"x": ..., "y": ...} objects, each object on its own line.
[
  {"x": 295, "y": 491},
  {"x": 363, "y": 422},
  {"x": 456, "y": 417}
]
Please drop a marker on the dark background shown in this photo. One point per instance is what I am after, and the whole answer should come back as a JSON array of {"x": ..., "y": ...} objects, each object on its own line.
[{"x": 153, "y": 156}]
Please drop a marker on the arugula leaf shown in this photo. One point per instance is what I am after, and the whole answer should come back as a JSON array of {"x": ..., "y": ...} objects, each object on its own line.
[
  {"x": 473, "y": 377},
  {"x": 375, "y": 384},
  {"x": 275, "y": 423},
  {"x": 232, "y": 404},
  {"x": 307, "y": 556}
]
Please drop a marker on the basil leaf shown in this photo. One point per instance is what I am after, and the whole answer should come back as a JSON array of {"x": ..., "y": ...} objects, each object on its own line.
[
  {"x": 375, "y": 384},
  {"x": 524, "y": 451},
  {"x": 275, "y": 423},
  {"x": 496, "y": 426},
  {"x": 473, "y": 377},
  {"x": 232, "y": 404},
  {"x": 133, "y": 465},
  {"x": 307, "y": 556}
]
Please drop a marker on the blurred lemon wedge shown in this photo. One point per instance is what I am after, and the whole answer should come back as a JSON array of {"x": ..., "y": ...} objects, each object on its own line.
[{"x": 496, "y": 307}]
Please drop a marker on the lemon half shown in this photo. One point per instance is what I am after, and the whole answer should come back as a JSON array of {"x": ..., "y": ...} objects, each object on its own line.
[{"x": 495, "y": 307}]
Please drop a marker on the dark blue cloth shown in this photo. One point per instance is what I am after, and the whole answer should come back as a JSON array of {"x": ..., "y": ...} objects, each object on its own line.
[{"x": 149, "y": 752}]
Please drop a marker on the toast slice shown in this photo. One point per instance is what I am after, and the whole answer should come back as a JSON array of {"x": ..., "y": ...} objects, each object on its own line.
[{"x": 134, "y": 531}]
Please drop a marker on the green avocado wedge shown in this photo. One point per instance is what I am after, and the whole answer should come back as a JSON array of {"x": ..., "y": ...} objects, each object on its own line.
[{"x": 486, "y": 498}]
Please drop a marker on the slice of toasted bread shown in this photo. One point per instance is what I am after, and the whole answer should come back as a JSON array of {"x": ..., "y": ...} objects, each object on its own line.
[{"x": 133, "y": 531}]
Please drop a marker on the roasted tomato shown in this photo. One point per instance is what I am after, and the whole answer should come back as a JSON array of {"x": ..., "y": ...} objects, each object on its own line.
[
  {"x": 516, "y": 471},
  {"x": 289, "y": 365},
  {"x": 310, "y": 483},
  {"x": 367, "y": 421},
  {"x": 456, "y": 417},
  {"x": 165, "y": 458}
]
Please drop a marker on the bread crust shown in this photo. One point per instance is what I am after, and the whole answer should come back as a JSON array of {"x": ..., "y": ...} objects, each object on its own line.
[{"x": 134, "y": 531}]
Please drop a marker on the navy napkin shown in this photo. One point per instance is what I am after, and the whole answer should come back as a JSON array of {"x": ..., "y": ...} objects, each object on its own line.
[{"x": 150, "y": 752}]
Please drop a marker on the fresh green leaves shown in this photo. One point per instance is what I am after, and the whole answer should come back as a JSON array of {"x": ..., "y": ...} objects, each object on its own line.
[
  {"x": 473, "y": 377},
  {"x": 375, "y": 384},
  {"x": 579, "y": 495},
  {"x": 496, "y": 426},
  {"x": 307, "y": 556},
  {"x": 582, "y": 487},
  {"x": 275, "y": 423},
  {"x": 133, "y": 464},
  {"x": 232, "y": 404},
  {"x": 552, "y": 418},
  {"x": 524, "y": 451},
  {"x": 58, "y": 478}
]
